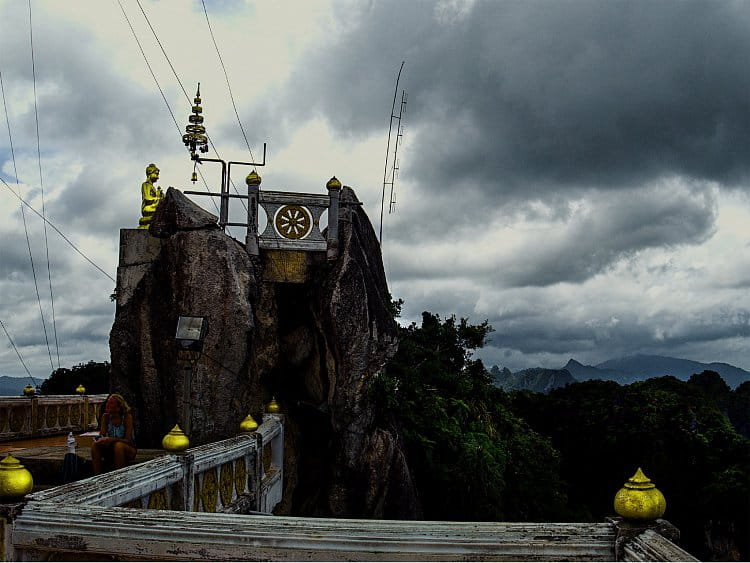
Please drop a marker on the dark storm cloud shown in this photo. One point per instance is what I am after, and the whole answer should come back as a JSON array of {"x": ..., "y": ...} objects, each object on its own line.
[
  {"x": 534, "y": 331},
  {"x": 527, "y": 97},
  {"x": 613, "y": 231},
  {"x": 82, "y": 98},
  {"x": 590, "y": 241}
]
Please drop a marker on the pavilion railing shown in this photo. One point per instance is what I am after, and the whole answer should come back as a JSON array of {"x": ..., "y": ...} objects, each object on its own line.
[
  {"x": 206, "y": 478},
  {"x": 24, "y": 417}
]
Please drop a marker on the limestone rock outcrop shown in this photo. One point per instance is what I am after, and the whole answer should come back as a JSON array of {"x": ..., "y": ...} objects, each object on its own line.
[{"x": 316, "y": 346}]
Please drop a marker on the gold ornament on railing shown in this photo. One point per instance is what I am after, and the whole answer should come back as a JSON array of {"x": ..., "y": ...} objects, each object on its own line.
[
  {"x": 248, "y": 424},
  {"x": 15, "y": 479},
  {"x": 81, "y": 390},
  {"x": 273, "y": 407},
  {"x": 253, "y": 179},
  {"x": 175, "y": 440},
  {"x": 28, "y": 391},
  {"x": 333, "y": 184},
  {"x": 639, "y": 499}
]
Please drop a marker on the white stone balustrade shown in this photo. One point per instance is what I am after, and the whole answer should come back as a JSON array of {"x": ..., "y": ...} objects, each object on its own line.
[
  {"x": 24, "y": 417},
  {"x": 202, "y": 479},
  {"x": 124, "y": 515}
]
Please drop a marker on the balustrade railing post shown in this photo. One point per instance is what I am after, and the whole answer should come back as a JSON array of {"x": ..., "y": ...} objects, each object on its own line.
[
  {"x": 334, "y": 191},
  {"x": 33, "y": 416},
  {"x": 84, "y": 421},
  {"x": 253, "y": 181},
  {"x": 188, "y": 476}
]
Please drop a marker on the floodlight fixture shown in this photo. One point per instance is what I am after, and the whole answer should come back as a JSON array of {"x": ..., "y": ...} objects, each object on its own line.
[{"x": 191, "y": 331}]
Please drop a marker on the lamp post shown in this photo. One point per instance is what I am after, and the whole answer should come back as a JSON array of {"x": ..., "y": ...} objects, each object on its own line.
[{"x": 190, "y": 334}]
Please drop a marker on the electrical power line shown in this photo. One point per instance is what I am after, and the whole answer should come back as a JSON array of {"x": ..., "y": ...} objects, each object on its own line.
[
  {"x": 149, "y": 68},
  {"x": 23, "y": 214},
  {"x": 59, "y": 232},
  {"x": 18, "y": 353},
  {"x": 145, "y": 58},
  {"x": 187, "y": 97},
  {"x": 226, "y": 76},
  {"x": 41, "y": 185},
  {"x": 156, "y": 36}
]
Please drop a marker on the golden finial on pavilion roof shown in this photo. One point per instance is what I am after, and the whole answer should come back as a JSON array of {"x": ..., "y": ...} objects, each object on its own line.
[
  {"x": 175, "y": 440},
  {"x": 253, "y": 179},
  {"x": 195, "y": 137},
  {"x": 15, "y": 479},
  {"x": 248, "y": 424},
  {"x": 333, "y": 184},
  {"x": 639, "y": 499}
]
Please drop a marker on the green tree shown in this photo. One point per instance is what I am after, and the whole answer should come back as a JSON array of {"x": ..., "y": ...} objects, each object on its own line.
[
  {"x": 674, "y": 430},
  {"x": 472, "y": 459},
  {"x": 94, "y": 376}
]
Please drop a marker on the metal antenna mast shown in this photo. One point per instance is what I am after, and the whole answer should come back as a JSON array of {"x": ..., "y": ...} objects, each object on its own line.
[
  {"x": 399, "y": 134},
  {"x": 388, "y": 150}
]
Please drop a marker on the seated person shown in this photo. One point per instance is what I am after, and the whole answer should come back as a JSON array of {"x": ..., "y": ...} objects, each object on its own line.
[{"x": 116, "y": 447}]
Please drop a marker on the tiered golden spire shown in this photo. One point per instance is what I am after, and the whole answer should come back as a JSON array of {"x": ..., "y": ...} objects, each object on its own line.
[{"x": 195, "y": 137}]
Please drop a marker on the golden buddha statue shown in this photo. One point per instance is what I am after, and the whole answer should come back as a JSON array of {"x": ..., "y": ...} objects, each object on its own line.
[{"x": 151, "y": 195}]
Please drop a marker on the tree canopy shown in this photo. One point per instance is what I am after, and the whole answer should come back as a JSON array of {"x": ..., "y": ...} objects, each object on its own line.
[
  {"x": 94, "y": 376},
  {"x": 478, "y": 453}
]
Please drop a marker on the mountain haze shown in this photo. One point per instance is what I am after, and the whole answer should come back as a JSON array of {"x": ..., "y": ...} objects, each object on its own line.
[
  {"x": 640, "y": 367},
  {"x": 541, "y": 380},
  {"x": 12, "y": 386}
]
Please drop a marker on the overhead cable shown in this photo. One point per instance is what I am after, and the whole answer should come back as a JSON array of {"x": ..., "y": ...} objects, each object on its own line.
[
  {"x": 23, "y": 216},
  {"x": 59, "y": 232},
  {"x": 41, "y": 185},
  {"x": 187, "y": 97},
  {"x": 17, "y": 352},
  {"x": 226, "y": 76},
  {"x": 145, "y": 58}
]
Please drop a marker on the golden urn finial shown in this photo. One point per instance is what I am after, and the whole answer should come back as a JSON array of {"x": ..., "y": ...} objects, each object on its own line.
[
  {"x": 273, "y": 407},
  {"x": 639, "y": 499},
  {"x": 248, "y": 424},
  {"x": 15, "y": 479},
  {"x": 28, "y": 391},
  {"x": 81, "y": 390},
  {"x": 333, "y": 184},
  {"x": 175, "y": 440},
  {"x": 253, "y": 179}
]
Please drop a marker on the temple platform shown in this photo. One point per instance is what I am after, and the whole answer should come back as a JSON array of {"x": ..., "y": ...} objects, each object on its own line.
[{"x": 43, "y": 457}]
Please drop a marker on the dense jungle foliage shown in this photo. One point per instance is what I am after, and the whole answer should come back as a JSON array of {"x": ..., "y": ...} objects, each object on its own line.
[
  {"x": 94, "y": 376},
  {"x": 478, "y": 453}
]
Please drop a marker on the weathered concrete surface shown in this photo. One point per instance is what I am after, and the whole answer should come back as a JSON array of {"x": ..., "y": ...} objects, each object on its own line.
[
  {"x": 316, "y": 346},
  {"x": 75, "y": 531}
]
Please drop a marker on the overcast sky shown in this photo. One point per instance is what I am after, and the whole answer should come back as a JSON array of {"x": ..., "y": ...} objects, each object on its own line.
[{"x": 577, "y": 173}]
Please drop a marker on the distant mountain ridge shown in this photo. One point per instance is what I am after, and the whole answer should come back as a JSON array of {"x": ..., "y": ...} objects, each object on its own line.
[
  {"x": 624, "y": 371},
  {"x": 541, "y": 380},
  {"x": 12, "y": 386},
  {"x": 640, "y": 367}
]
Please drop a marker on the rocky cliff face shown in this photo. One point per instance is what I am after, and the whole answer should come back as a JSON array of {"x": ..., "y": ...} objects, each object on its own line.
[{"x": 315, "y": 346}]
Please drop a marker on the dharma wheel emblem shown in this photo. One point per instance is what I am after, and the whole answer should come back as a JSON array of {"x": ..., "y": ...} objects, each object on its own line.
[{"x": 293, "y": 222}]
